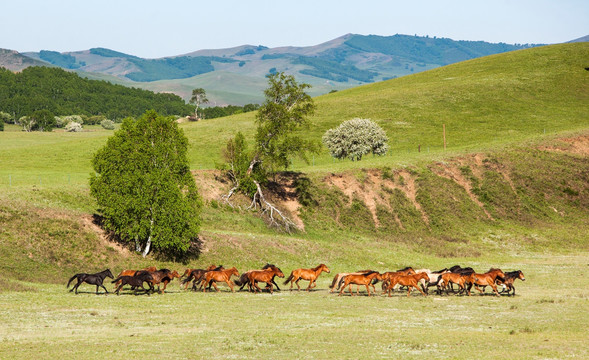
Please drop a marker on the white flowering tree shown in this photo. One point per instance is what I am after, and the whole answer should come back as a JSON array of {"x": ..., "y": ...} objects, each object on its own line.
[{"x": 356, "y": 138}]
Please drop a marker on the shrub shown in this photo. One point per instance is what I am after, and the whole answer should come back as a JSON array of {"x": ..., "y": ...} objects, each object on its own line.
[
  {"x": 73, "y": 126},
  {"x": 356, "y": 138},
  {"x": 107, "y": 124},
  {"x": 62, "y": 121}
]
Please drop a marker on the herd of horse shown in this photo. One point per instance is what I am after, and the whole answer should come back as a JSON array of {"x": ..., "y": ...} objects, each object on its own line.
[{"x": 407, "y": 279}]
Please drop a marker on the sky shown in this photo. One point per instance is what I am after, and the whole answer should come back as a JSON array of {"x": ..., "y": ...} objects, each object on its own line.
[{"x": 156, "y": 28}]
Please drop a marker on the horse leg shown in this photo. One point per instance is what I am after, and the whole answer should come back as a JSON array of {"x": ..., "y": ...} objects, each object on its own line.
[
  {"x": 495, "y": 289},
  {"x": 230, "y": 283},
  {"x": 417, "y": 287},
  {"x": 215, "y": 285},
  {"x": 106, "y": 291},
  {"x": 409, "y": 291},
  {"x": 367, "y": 289},
  {"x": 273, "y": 282},
  {"x": 297, "y": 283}
]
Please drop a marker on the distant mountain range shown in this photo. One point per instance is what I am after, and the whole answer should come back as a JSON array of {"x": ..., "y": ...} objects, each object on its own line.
[{"x": 237, "y": 75}]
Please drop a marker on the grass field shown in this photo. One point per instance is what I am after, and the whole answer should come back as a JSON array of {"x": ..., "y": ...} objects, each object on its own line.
[{"x": 548, "y": 318}]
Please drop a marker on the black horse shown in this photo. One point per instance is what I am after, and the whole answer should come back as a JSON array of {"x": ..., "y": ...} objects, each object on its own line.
[
  {"x": 92, "y": 279},
  {"x": 135, "y": 282}
]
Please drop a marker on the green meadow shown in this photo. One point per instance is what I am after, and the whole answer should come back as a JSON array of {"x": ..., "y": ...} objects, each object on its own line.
[{"x": 510, "y": 190}]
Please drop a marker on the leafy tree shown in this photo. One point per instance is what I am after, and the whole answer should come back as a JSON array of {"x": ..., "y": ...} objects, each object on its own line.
[
  {"x": 356, "y": 138},
  {"x": 44, "y": 120},
  {"x": 199, "y": 96},
  {"x": 144, "y": 187},
  {"x": 284, "y": 111},
  {"x": 1, "y": 124}
]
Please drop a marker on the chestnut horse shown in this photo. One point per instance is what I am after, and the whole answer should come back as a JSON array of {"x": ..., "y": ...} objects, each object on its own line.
[
  {"x": 310, "y": 275},
  {"x": 336, "y": 283},
  {"x": 459, "y": 279},
  {"x": 510, "y": 278},
  {"x": 387, "y": 276},
  {"x": 243, "y": 279},
  {"x": 266, "y": 275},
  {"x": 410, "y": 281},
  {"x": 197, "y": 275},
  {"x": 215, "y": 276},
  {"x": 488, "y": 279},
  {"x": 359, "y": 279}
]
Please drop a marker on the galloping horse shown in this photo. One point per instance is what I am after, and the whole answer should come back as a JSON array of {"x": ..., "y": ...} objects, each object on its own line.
[
  {"x": 359, "y": 279},
  {"x": 410, "y": 281},
  {"x": 266, "y": 275},
  {"x": 387, "y": 276},
  {"x": 160, "y": 276},
  {"x": 335, "y": 284},
  {"x": 310, "y": 275},
  {"x": 459, "y": 279},
  {"x": 244, "y": 280},
  {"x": 197, "y": 275},
  {"x": 92, "y": 279},
  {"x": 487, "y": 279},
  {"x": 510, "y": 278},
  {"x": 134, "y": 272},
  {"x": 219, "y": 276},
  {"x": 135, "y": 281},
  {"x": 434, "y": 279}
]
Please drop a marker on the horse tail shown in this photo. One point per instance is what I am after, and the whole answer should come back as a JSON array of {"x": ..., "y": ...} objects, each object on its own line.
[
  {"x": 187, "y": 279},
  {"x": 115, "y": 280},
  {"x": 71, "y": 279},
  {"x": 341, "y": 281},
  {"x": 289, "y": 279},
  {"x": 242, "y": 280},
  {"x": 334, "y": 281}
]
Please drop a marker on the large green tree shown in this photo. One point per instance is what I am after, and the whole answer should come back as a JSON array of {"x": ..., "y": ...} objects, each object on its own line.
[
  {"x": 144, "y": 188},
  {"x": 285, "y": 110}
]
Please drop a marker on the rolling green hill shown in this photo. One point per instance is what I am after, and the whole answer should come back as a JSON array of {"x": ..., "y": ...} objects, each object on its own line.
[{"x": 337, "y": 64}]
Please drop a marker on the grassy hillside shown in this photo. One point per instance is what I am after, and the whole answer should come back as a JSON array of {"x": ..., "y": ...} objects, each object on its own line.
[{"x": 484, "y": 103}]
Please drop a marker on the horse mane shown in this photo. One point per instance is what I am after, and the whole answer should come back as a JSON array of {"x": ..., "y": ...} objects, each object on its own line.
[
  {"x": 267, "y": 266},
  {"x": 512, "y": 273},
  {"x": 218, "y": 268},
  {"x": 365, "y": 271},
  {"x": 406, "y": 268},
  {"x": 440, "y": 271},
  {"x": 317, "y": 268},
  {"x": 370, "y": 273}
]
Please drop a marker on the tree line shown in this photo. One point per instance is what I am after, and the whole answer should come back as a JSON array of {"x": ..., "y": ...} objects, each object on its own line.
[{"x": 65, "y": 93}]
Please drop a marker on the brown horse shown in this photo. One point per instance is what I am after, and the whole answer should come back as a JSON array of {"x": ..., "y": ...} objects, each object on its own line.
[
  {"x": 244, "y": 280},
  {"x": 387, "y": 276},
  {"x": 310, "y": 275},
  {"x": 459, "y": 279},
  {"x": 197, "y": 275},
  {"x": 488, "y": 279},
  {"x": 359, "y": 279},
  {"x": 133, "y": 273},
  {"x": 215, "y": 276},
  {"x": 510, "y": 278},
  {"x": 266, "y": 275},
  {"x": 336, "y": 282},
  {"x": 410, "y": 281},
  {"x": 160, "y": 276}
]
